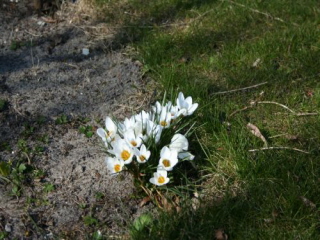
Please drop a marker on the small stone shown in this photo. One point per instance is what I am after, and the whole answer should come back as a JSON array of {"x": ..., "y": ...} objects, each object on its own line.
[
  {"x": 85, "y": 51},
  {"x": 7, "y": 227},
  {"x": 41, "y": 23}
]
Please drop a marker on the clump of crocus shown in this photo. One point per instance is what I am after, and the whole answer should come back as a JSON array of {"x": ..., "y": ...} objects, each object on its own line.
[{"x": 149, "y": 144}]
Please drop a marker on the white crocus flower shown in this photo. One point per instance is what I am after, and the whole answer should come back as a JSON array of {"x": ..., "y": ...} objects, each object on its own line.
[
  {"x": 165, "y": 118},
  {"x": 179, "y": 143},
  {"x": 122, "y": 150},
  {"x": 185, "y": 106},
  {"x": 160, "y": 178},
  {"x": 142, "y": 154},
  {"x": 174, "y": 110},
  {"x": 142, "y": 116},
  {"x": 154, "y": 131},
  {"x": 132, "y": 139},
  {"x": 114, "y": 165},
  {"x": 168, "y": 158},
  {"x": 103, "y": 134},
  {"x": 157, "y": 108},
  {"x": 185, "y": 156},
  {"x": 128, "y": 124},
  {"x": 110, "y": 133}
]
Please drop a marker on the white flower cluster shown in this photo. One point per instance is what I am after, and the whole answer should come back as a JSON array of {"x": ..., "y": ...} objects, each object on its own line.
[{"x": 131, "y": 139}]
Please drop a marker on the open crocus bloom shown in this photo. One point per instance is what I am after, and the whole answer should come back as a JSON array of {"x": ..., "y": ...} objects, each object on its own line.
[
  {"x": 132, "y": 139},
  {"x": 168, "y": 158},
  {"x": 185, "y": 106},
  {"x": 160, "y": 178},
  {"x": 179, "y": 143},
  {"x": 109, "y": 134},
  {"x": 114, "y": 165},
  {"x": 122, "y": 150},
  {"x": 142, "y": 154}
]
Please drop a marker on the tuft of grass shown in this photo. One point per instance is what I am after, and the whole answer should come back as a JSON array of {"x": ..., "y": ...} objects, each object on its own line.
[
  {"x": 3, "y": 105},
  {"x": 268, "y": 52}
]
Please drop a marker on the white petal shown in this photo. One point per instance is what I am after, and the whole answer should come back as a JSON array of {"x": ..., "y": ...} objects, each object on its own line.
[
  {"x": 152, "y": 180},
  {"x": 179, "y": 142},
  {"x": 102, "y": 133},
  {"x": 110, "y": 125},
  {"x": 162, "y": 173},
  {"x": 193, "y": 108},
  {"x": 189, "y": 100},
  {"x": 185, "y": 156}
]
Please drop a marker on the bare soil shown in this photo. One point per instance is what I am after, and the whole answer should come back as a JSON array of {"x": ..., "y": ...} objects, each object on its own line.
[{"x": 44, "y": 77}]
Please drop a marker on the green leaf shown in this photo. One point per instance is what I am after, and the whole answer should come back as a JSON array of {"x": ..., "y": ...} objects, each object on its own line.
[
  {"x": 22, "y": 167},
  {"x": 97, "y": 235},
  {"x": 89, "y": 134},
  {"x": 16, "y": 190},
  {"x": 63, "y": 119},
  {"x": 82, "y": 129},
  {"x": 48, "y": 187},
  {"x": 141, "y": 222},
  {"x": 4, "y": 169},
  {"x": 3, "y": 235},
  {"x": 88, "y": 220}
]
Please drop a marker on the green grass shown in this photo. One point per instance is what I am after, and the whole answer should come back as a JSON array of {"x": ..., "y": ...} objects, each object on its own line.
[{"x": 205, "y": 47}]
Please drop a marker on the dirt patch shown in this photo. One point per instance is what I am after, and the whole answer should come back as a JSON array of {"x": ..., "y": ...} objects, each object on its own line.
[{"x": 44, "y": 76}]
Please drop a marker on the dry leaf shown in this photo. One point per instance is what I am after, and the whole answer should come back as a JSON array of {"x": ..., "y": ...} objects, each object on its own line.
[
  {"x": 255, "y": 131},
  {"x": 268, "y": 220},
  {"x": 166, "y": 205},
  {"x": 291, "y": 137},
  {"x": 220, "y": 235},
  {"x": 195, "y": 203},
  {"x": 275, "y": 213},
  {"x": 256, "y": 62},
  {"x": 307, "y": 202},
  {"x": 144, "y": 201}
]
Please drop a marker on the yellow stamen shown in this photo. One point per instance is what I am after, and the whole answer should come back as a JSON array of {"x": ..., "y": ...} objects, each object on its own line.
[
  {"x": 166, "y": 163},
  {"x": 134, "y": 143},
  {"x": 125, "y": 155},
  {"x": 163, "y": 123},
  {"x": 117, "y": 168},
  {"x": 161, "y": 180},
  {"x": 142, "y": 158},
  {"x": 109, "y": 133}
]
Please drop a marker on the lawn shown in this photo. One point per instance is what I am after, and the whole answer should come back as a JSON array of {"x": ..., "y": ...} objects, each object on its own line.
[{"x": 244, "y": 62}]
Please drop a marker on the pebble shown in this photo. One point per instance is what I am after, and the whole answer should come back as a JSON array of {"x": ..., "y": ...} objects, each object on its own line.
[
  {"x": 85, "y": 51},
  {"x": 7, "y": 227}
]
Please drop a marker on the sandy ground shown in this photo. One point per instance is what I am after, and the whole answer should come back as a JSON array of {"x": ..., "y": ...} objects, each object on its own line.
[{"x": 44, "y": 75}]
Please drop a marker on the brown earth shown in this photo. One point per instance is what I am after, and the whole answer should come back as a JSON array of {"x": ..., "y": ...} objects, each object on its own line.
[{"x": 44, "y": 77}]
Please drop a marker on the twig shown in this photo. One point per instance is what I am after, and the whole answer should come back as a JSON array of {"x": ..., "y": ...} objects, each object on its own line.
[
  {"x": 290, "y": 110},
  {"x": 239, "y": 110},
  {"x": 278, "y": 148},
  {"x": 5, "y": 179},
  {"x": 268, "y": 15},
  {"x": 307, "y": 114},
  {"x": 15, "y": 107},
  {"x": 279, "y": 135},
  {"x": 279, "y": 104},
  {"x": 240, "y": 89},
  {"x": 35, "y": 35},
  {"x": 27, "y": 156}
]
